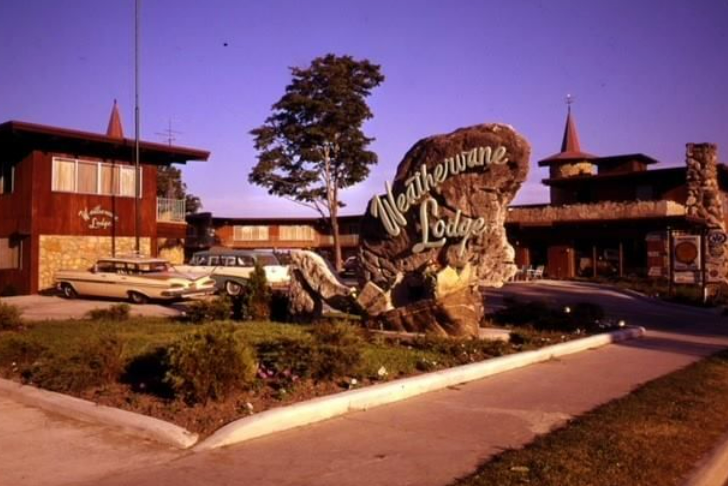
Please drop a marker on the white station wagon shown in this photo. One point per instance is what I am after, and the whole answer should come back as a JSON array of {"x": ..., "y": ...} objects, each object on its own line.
[
  {"x": 135, "y": 278},
  {"x": 232, "y": 268}
]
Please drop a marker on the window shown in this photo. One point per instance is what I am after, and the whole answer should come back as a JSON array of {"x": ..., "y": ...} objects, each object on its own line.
[
  {"x": 644, "y": 193},
  {"x": 64, "y": 175},
  {"x": 87, "y": 177},
  {"x": 250, "y": 233},
  {"x": 296, "y": 233},
  {"x": 7, "y": 178},
  {"x": 10, "y": 254}
]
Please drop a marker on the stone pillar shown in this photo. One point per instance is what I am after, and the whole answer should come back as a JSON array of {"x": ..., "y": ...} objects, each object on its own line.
[{"x": 705, "y": 201}]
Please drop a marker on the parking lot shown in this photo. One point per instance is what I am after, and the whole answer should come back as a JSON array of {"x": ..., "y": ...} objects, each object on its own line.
[{"x": 45, "y": 307}]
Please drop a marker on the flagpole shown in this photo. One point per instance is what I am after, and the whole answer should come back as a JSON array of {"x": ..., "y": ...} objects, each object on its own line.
[{"x": 137, "y": 189}]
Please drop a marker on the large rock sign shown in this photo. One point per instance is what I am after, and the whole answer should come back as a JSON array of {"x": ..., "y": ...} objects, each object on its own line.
[{"x": 437, "y": 233}]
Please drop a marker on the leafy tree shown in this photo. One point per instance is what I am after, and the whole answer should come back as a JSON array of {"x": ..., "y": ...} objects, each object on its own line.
[
  {"x": 170, "y": 185},
  {"x": 312, "y": 145}
]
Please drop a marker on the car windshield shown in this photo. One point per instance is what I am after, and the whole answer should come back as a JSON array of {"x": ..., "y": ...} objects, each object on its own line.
[
  {"x": 266, "y": 260},
  {"x": 152, "y": 267}
]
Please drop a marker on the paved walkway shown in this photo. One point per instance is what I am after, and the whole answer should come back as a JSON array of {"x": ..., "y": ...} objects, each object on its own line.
[
  {"x": 435, "y": 438},
  {"x": 49, "y": 307},
  {"x": 37, "y": 448}
]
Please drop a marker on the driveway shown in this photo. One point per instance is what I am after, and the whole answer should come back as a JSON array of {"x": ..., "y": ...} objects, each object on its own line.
[{"x": 44, "y": 307}]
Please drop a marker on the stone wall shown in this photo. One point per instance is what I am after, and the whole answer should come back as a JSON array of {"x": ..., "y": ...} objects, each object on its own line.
[
  {"x": 79, "y": 253},
  {"x": 572, "y": 169},
  {"x": 705, "y": 202},
  {"x": 601, "y": 211},
  {"x": 172, "y": 249}
]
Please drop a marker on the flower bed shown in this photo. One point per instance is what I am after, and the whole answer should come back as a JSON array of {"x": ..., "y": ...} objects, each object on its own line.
[{"x": 183, "y": 373}]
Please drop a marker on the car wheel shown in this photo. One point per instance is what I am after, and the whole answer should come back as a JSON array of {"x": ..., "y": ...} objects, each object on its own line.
[
  {"x": 233, "y": 289},
  {"x": 137, "y": 298},
  {"x": 68, "y": 291}
]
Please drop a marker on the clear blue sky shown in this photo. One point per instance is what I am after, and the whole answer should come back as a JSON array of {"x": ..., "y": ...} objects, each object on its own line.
[{"x": 647, "y": 76}]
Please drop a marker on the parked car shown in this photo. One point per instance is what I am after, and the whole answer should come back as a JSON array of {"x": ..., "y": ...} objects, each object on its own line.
[
  {"x": 231, "y": 268},
  {"x": 350, "y": 267},
  {"x": 135, "y": 278}
]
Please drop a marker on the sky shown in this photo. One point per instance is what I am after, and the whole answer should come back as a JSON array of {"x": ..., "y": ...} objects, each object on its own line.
[{"x": 646, "y": 76}]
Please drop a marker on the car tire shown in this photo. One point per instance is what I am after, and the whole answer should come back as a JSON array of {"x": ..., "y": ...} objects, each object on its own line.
[
  {"x": 137, "y": 298},
  {"x": 68, "y": 291},
  {"x": 233, "y": 289}
]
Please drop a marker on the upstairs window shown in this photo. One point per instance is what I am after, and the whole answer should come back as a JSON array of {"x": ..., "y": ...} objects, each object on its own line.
[
  {"x": 98, "y": 178},
  {"x": 296, "y": 233},
  {"x": 7, "y": 178},
  {"x": 250, "y": 233}
]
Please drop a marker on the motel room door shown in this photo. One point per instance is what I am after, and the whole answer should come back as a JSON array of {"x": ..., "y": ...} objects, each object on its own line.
[{"x": 560, "y": 261}]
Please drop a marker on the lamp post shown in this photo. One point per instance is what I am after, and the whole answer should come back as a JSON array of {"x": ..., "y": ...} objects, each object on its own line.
[{"x": 137, "y": 189}]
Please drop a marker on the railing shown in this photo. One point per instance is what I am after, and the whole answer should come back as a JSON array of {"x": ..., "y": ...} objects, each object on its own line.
[{"x": 170, "y": 210}]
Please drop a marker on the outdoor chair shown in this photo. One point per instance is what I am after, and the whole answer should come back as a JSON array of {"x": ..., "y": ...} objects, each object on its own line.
[{"x": 535, "y": 274}]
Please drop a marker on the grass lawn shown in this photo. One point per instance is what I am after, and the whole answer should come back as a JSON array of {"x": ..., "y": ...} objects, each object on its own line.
[
  {"x": 654, "y": 436},
  {"x": 122, "y": 364}
]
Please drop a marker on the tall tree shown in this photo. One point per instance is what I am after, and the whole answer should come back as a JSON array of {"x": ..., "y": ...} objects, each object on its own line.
[
  {"x": 170, "y": 185},
  {"x": 312, "y": 146}
]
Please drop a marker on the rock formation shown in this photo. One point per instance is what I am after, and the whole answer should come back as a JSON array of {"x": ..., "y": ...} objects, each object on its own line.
[
  {"x": 437, "y": 234},
  {"x": 314, "y": 283}
]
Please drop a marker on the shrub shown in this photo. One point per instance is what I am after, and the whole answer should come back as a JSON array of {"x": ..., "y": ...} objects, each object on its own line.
[
  {"x": 334, "y": 350},
  {"x": 115, "y": 313},
  {"x": 20, "y": 351},
  {"x": 10, "y": 317},
  {"x": 99, "y": 363},
  {"x": 217, "y": 309},
  {"x": 209, "y": 364},
  {"x": 587, "y": 314},
  {"x": 337, "y": 350},
  {"x": 458, "y": 351},
  {"x": 260, "y": 295},
  {"x": 147, "y": 373},
  {"x": 279, "y": 304}
]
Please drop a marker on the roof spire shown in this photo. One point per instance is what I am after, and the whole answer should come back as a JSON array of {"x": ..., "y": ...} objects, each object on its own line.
[
  {"x": 570, "y": 143},
  {"x": 115, "y": 129}
]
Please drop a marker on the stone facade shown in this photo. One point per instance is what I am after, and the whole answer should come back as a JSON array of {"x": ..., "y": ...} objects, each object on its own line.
[
  {"x": 78, "y": 253},
  {"x": 705, "y": 201},
  {"x": 608, "y": 210},
  {"x": 172, "y": 249},
  {"x": 572, "y": 169}
]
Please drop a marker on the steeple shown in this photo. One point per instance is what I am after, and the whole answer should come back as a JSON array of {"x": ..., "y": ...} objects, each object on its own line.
[
  {"x": 570, "y": 143},
  {"x": 570, "y": 146},
  {"x": 115, "y": 129}
]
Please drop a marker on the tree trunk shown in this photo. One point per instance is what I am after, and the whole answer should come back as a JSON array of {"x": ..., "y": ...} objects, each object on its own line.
[{"x": 337, "y": 244}]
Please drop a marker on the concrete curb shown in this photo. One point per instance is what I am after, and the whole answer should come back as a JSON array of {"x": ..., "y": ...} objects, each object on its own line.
[
  {"x": 713, "y": 469},
  {"x": 133, "y": 423},
  {"x": 319, "y": 409}
]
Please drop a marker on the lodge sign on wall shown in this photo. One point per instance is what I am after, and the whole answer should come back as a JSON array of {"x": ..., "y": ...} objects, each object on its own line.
[{"x": 98, "y": 218}]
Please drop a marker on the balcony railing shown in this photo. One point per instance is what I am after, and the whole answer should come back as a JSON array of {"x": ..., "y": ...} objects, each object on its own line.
[{"x": 170, "y": 210}]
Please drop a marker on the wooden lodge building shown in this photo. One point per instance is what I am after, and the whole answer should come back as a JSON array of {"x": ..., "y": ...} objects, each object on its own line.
[
  {"x": 279, "y": 234},
  {"x": 67, "y": 198},
  {"x": 610, "y": 216}
]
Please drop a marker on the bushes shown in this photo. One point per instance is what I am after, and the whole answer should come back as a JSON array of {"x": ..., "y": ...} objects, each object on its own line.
[
  {"x": 10, "y": 319},
  {"x": 259, "y": 295},
  {"x": 334, "y": 350},
  {"x": 115, "y": 313},
  {"x": 217, "y": 309},
  {"x": 210, "y": 364},
  {"x": 582, "y": 316},
  {"x": 98, "y": 363}
]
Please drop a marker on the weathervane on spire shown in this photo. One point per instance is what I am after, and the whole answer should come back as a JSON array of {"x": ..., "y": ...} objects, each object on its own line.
[{"x": 569, "y": 101}]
